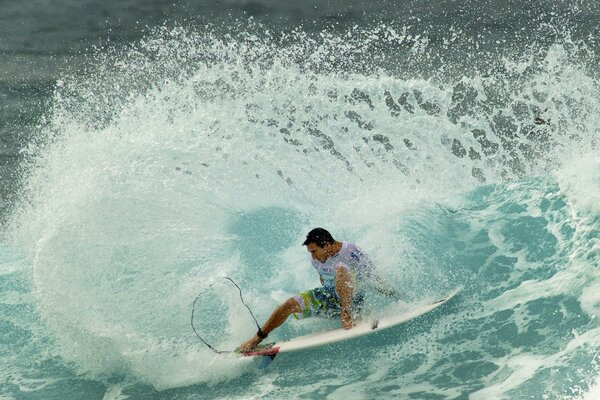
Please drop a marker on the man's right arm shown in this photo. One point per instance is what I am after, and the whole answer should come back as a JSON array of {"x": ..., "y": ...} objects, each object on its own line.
[{"x": 344, "y": 286}]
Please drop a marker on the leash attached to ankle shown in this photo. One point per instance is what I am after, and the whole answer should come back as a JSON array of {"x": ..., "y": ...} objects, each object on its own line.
[{"x": 261, "y": 334}]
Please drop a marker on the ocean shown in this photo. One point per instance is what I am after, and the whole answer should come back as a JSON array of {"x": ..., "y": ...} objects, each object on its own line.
[{"x": 149, "y": 148}]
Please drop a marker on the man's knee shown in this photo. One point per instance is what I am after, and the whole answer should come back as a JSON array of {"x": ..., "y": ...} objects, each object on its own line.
[{"x": 291, "y": 306}]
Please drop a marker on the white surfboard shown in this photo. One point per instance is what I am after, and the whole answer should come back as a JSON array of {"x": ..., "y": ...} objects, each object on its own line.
[{"x": 363, "y": 327}]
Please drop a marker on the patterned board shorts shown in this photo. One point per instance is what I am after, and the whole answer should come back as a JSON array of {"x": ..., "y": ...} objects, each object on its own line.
[{"x": 324, "y": 302}]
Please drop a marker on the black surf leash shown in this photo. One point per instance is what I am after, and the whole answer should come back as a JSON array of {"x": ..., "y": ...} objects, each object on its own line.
[{"x": 260, "y": 332}]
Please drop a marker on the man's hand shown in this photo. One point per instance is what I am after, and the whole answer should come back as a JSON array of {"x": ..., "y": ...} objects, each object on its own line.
[
  {"x": 347, "y": 321},
  {"x": 389, "y": 293}
]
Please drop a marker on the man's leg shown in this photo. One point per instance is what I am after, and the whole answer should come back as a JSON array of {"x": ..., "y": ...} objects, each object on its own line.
[{"x": 278, "y": 317}]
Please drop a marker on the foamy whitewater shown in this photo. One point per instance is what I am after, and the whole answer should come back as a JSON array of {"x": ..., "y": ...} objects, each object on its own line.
[{"x": 191, "y": 155}]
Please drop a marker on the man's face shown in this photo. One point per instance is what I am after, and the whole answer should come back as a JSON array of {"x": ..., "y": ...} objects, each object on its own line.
[{"x": 318, "y": 253}]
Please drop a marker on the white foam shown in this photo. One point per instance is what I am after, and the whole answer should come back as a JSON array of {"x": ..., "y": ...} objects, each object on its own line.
[
  {"x": 593, "y": 393},
  {"x": 579, "y": 180},
  {"x": 580, "y": 185}
]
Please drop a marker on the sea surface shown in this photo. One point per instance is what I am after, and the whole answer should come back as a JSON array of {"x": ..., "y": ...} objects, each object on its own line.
[{"x": 147, "y": 148}]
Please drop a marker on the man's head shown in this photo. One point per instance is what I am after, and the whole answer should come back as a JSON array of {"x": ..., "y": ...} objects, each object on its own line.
[{"x": 320, "y": 244}]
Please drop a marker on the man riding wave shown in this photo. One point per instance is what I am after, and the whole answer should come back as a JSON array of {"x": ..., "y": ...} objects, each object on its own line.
[{"x": 344, "y": 270}]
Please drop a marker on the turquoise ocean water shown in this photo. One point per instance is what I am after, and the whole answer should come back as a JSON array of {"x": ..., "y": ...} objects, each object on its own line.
[{"x": 456, "y": 154}]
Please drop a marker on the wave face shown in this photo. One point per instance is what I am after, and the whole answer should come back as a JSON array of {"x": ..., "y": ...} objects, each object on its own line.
[{"x": 194, "y": 154}]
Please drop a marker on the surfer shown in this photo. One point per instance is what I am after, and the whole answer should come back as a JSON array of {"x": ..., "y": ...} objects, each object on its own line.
[{"x": 342, "y": 267}]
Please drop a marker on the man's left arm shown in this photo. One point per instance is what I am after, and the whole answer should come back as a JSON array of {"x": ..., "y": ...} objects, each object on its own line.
[
  {"x": 365, "y": 264},
  {"x": 344, "y": 287}
]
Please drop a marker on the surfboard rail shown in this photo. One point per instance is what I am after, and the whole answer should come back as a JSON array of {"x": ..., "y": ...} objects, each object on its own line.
[{"x": 364, "y": 327}]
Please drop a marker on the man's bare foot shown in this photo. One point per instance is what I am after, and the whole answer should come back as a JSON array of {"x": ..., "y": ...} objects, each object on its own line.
[{"x": 250, "y": 344}]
